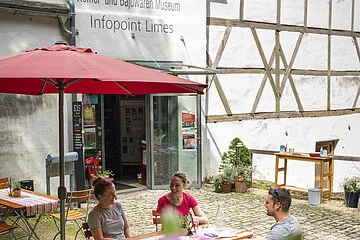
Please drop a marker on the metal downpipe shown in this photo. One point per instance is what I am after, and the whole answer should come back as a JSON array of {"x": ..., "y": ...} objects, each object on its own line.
[{"x": 72, "y": 41}]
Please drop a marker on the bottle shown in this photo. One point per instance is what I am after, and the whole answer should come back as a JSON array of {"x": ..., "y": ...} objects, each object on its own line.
[
  {"x": 219, "y": 221},
  {"x": 321, "y": 151}
]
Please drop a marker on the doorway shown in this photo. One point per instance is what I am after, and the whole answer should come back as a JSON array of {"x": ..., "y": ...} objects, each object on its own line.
[{"x": 124, "y": 125}]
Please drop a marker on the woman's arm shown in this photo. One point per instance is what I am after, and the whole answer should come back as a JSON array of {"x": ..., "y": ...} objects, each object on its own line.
[
  {"x": 126, "y": 227},
  {"x": 199, "y": 215},
  {"x": 97, "y": 234}
]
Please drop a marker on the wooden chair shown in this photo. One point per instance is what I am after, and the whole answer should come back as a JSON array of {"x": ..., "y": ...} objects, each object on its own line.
[
  {"x": 87, "y": 231},
  {"x": 74, "y": 215},
  {"x": 156, "y": 218},
  {"x": 6, "y": 229},
  {"x": 4, "y": 183}
]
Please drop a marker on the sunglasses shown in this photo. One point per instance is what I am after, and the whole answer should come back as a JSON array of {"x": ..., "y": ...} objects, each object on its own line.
[{"x": 276, "y": 190}]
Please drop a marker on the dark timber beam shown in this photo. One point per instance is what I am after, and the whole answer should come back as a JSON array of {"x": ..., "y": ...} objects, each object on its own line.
[
  {"x": 285, "y": 114},
  {"x": 212, "y": 21}
]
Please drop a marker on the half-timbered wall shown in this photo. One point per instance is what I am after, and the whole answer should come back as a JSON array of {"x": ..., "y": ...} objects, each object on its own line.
[{"x": 284, "y": 67}]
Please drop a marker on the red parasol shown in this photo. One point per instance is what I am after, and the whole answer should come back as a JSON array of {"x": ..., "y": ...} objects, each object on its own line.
[{"x": 65, "y": 69}]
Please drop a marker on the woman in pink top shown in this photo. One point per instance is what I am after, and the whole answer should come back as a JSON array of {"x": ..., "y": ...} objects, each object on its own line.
[{"x": 180, "y": 200}]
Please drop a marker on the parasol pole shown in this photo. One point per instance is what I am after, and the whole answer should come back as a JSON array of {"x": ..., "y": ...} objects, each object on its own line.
[{"x": 62, "y": 189}]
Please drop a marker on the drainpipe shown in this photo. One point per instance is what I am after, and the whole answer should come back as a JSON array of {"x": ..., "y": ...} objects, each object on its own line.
[
  {"x": 63, "y": 20},
  {"x": 72, "y": 23},
  {"x": 62, "y": 16}
]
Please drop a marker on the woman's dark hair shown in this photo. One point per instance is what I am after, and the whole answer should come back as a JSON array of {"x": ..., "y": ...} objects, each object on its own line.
[
  {"x": 99, "y": 183},
  {"x": 281, "y": 195},
  {"x": 185, "y": 180}
]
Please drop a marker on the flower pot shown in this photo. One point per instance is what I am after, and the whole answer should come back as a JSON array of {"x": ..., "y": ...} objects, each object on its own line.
[
  {"x": 240, "y": 187},
  {"x": 16, "y": 193},
  {"x": 183, "y": 232},
  {"x": 352, "y": 199},
  {"x": 226, "y": 188}
]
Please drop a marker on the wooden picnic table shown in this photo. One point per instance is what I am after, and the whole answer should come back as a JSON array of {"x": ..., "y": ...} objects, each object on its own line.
[{"x": 29, "y": 204}]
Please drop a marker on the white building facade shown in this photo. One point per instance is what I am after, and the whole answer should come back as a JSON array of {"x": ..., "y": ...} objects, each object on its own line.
[{"x": 169, "y": 35}]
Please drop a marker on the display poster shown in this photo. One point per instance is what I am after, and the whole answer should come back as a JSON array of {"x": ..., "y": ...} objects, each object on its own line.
[
  {"x": 77, "y": 126},
  {"x": 188, "y": 120},
  {"x": 90, "y": 138},
  {"x": 89, "y": 115},
  {"x": 189, "y": 132},
  {"x": 92, "y": 99},
  {"x": 189, "y": 140}
]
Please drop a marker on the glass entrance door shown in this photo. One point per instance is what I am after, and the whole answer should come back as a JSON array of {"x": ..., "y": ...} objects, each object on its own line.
[{"x": 174, "y": 138}]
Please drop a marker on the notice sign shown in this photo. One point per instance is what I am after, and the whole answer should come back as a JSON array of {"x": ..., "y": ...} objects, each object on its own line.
[
  {"x": 189, "y": 140},
  {"x": 188, "y": 120},
  {"x": 138, "y": 29},
  {"x": 77, "y": 126}
]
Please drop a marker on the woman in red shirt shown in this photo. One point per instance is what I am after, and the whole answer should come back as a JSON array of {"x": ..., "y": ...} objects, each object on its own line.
[{"x": 180, "y": 200}]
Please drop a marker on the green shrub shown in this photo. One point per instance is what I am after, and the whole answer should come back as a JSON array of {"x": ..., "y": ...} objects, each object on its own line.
[
  {"x": 352, "y": 184},
  {"x": 236, "y": 161},
  {"x": 237, "y": 156}
]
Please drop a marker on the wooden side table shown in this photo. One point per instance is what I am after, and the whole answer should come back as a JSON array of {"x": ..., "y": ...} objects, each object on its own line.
[{"x": 329, "y": 175}]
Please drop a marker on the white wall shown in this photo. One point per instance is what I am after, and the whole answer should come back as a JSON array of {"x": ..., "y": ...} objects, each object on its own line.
[
  {"x": 29, "y": 124},
  {"x": 110, "y": 33},
  {"x": 30, "y": 130},
  {"x": 32, "y": 134},
  {"x": 302, "y": 135},
  {"x": 241, "y": 89}
]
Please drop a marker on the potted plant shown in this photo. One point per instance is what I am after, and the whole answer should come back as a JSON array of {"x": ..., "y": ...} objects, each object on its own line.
[
  {"x": 352, "y": 191},
  {"x": 16, "y": 191},
  {"x": 240, "y": 184},
  {"x": 174, "y": 225},
  {"x": 106, "y": 174},
  {"x": 237, "y": 162},
  {"x": 222, "y": 184},
  {"x": 231, "y": 173}
]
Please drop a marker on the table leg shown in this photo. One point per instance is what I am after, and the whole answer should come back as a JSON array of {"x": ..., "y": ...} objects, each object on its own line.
[
  {"x": 31, "y": 229},
  {"x": 331, "y": 177},
  {"x": 285, "y": 171},
  {"x": 321, "y": 179},
  {"x": 276, "y": 170}
]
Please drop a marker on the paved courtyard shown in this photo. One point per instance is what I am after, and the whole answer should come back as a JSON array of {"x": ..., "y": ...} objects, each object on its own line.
[{"x": 330, "y": 220}]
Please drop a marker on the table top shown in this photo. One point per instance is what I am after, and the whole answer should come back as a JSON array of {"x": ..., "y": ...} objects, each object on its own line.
[
  {"x": 33, "y": 202},
  {"x": 303, "y": 156},
  {"x": 227, "y": 235}
]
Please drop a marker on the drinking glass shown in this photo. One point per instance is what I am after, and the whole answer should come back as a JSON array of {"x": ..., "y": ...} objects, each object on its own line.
[{"x": 196, "y": 224}]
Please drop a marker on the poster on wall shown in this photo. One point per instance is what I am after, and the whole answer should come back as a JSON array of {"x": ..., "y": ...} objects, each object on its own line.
[
  {"x": 188, "y": 120},
  {"x": 189, "y": 140},
  {"x": 90, "y": 138},
  {"x": 77, "y": 127},
  {"x": 89, "y": 115}
]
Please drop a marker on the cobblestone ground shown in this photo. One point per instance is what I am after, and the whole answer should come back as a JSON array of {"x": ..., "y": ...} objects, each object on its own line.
[{"x": 330, "y": 220}]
